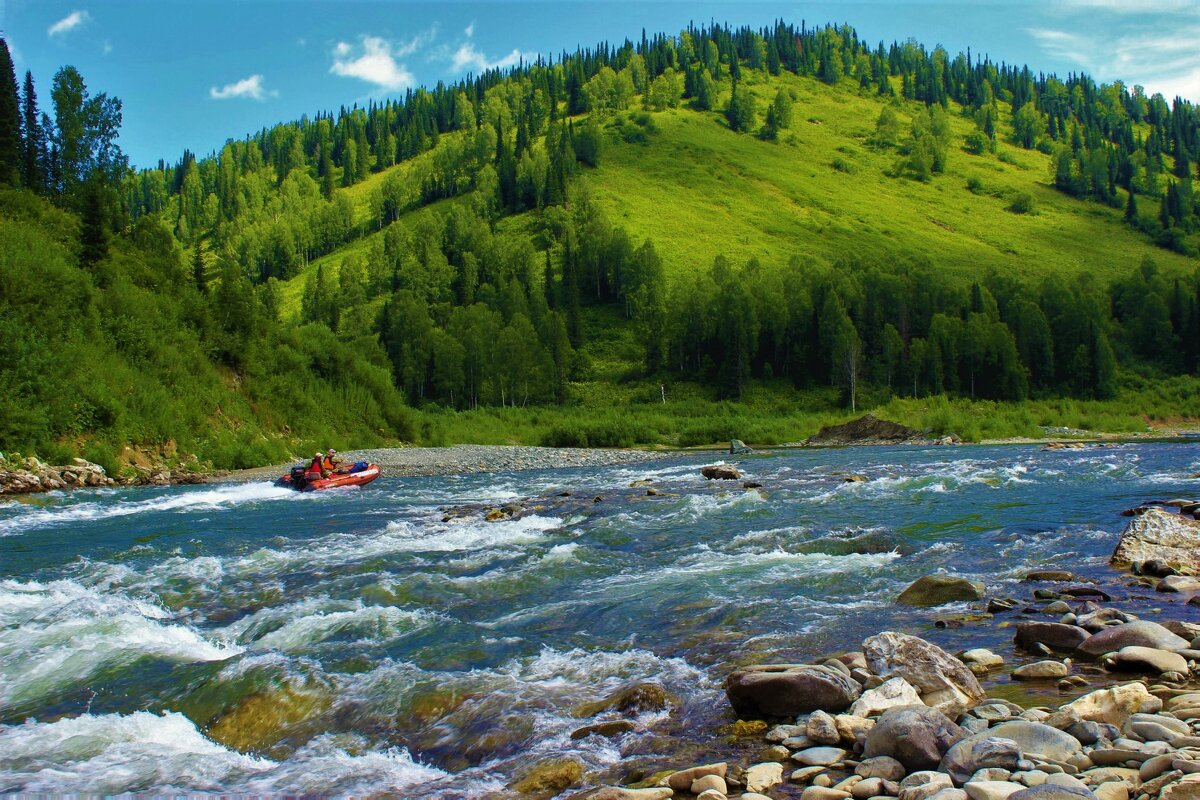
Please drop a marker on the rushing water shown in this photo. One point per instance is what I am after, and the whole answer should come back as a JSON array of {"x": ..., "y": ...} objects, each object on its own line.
[{"x": 244, "y": 638}]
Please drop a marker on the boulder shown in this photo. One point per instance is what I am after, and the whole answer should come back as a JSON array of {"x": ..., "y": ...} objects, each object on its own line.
[
  {"x": 632, "y": 699},
  {"x": 1048, "y": 791},
  {"x": 721, "y": 472},
  {"x": 982, "y": 751},
  {"x": 1139, "y": 633},
  {"x": 882, "y": 767},
  {"x": 1039, "y": 739},
  {"x": 1148, "y": 659},
  {"x": 822, "y": 728},
  {"x": 942, "y": 680},
  {"x": 936, "y": 590},
  {"x": 1159, "y": 535},
  {"x": 893, "y": 692},
  {"x": 820, "y": 756},
  {"x": 1056, "y": 636},
  {"x": 714, "y": 782},
  {"x": 789, "y": 690},
  {"x": 611, "y": 728},
  {"x": 738, "y": 448},
  {"x": 763, "y": 776},
  {"x": 916, "y": 736}
]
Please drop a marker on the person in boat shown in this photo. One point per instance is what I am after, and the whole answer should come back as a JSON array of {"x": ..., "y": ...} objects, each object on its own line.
[
  {"x": 331, "y": 463},
  {"x": 317, "y": 468}
]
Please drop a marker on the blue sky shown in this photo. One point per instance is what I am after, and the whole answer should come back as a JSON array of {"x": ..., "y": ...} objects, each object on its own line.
[{"x": 192, "y": 75}]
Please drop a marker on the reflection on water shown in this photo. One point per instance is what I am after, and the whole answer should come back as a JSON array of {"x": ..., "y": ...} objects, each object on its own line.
[{"x": 245, "y": 638}]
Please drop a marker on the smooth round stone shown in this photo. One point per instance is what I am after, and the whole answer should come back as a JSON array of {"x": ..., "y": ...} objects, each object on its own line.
[
  {"x": 1048, "y": 791},
  {"x": 780, "y": 732},
  {"x": 1113, "y": 756},
  {"x": 885, "y": 767},
  {"x": 752, "y": 796},
  {"x": 1040, "y": 670},
  {"x": 1087, "y": 732},
  {"x": 992, "y": 712},
  {"x": 711, "y": 794},
  {"x": 822, "y": 793},
  {"x": 992, "y": 774},
  {"x": 1153, "y": 767},
  {"x": 805, "y": 774},
  {"x": 848, "y": 784},
  {"x": 1148, "y": 658},
  {"x": 1174, "y": 724},
  {"x": 1099, "y": 775},
  {"x": 1066, "y": 780},
  {"x": 706, "y": 782},
  {"x": 991, "y": 790},
  {"x": 1032, "y": 777},
  {"x": 949, "y": 794},
  {"x": 867, "y": 787},
  {"x": 1151, "y": 731},
  {"x": 1034, "y": 737},
  {"x": 1112, "y": 790},
  {"x": 983, "y": 657},
  {"x": 820, "y": 756},
  {"x": 776, "y": 753}
]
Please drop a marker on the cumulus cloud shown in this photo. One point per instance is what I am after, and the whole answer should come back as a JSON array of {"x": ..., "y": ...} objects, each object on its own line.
[
  {"x": 251, "y": 88},
  {"x": 68, "y": 23},
  {"x": 374, "y": 60},
  {"x": 1156, "y": 50},
  {"x": 468, "y": 57}
]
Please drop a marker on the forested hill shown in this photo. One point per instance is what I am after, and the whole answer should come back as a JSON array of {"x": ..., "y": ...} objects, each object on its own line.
[{"x": 787, "y": 213}]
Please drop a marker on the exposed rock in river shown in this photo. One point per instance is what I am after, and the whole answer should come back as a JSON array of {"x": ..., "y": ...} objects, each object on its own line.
[
  {"x": 1162, "y": 536},
  {"x": 935, "y": 590}
]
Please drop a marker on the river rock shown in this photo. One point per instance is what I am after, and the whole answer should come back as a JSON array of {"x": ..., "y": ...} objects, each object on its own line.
[
  {"x": 916, "y": 736},
  {"x": 821, "y": 793},
  {"x": 1111, "y": 790},
  {"x": 893, "y": 692},
  {"x": 549, "y": 777},
  {"x": 1178, "y": 583},
  {"x": 991, "y": 790},
  {"x": 1036, "y": 738},
  {"x": 820, "y": 756},
  {"x": 851, "y": 729},
  {"x": 610, "y": 728},
  {"x": 882, "y": 767},
  {"x": 1139, "y": 633},
  {"x": 621, "y": 793},
  {"x": 1148, "y": 659},
  {"x": 721, "y": 472},
  {"x": 1112, "y": 706},
  {"x": 633, "y": 699},
  {"x": 681, "y": 781},
  {"x": 706, "y": 782},
  {"x": 981, "y": 751},
  {"x": 983, "y": 657},
  {"x": 822, "y": 728},
  {"x": 763, "y": 776},
  {"x": 942, "y": 680},
  {"x": 1040, "y": 670},
  {"x": 1160, "y": 535},
  {"x": 1054, "y": 635},
  {"x": 1048, "y": 791},
  {"x": 789, "y": 690},
  {"x": 936, "y": 590}
]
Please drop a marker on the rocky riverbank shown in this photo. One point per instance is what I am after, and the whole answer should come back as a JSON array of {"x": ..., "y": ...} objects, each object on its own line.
[
  {"x": 900, "y": 718},
  {"x": 466, "y": 459},
  {"x": 29, "y": 475}
]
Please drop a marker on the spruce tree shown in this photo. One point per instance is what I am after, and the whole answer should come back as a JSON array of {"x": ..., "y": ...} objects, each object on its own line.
[
  {"x": 10, "y": 121},
  {"x": 33, "y": 160}
]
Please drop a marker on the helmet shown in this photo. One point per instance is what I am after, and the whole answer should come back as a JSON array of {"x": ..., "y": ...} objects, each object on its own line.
[{"x": 332, "y": 451}]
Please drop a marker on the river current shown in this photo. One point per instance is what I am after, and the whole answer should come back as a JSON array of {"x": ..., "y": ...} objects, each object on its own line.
[{"x": 242, "y": 638}]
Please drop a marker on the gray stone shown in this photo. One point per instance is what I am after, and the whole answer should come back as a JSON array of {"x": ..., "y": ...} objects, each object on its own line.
[
  {"x": 1034, "y": 737},
  {"x": 916, "y": 736},
  {"x": 1056, "y": 636},
  {"x": 884, "y": 767},
  {"x": 821, "y": 793},
  {"x": 978, "y": 752},
  {"x": 822, "y": 729},
  {"x": 1040, "y": 670},
  {"x": 1048, "y": 791},
  {"x": 681, "y": 781},
  {"x": 762, "y": 776},
  {"x": 991, "y": 790},
  {"x": 943, "y": 681},
  {"x": 893, "y": 692},
  {"x": 1088, "y": 732},
  {"x": 1159, "y": 535},
  {"x": 789, "y": 690},
  {"x": 1141, "y": 659},
  {"x": 820, "y": 756},
  {"x": 1139, "y": 633}
]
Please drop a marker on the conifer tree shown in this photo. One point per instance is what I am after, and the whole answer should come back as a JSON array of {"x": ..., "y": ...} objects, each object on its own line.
[
  {"x": 10, "y": 121},
  {"x": 33, "y": 159}
]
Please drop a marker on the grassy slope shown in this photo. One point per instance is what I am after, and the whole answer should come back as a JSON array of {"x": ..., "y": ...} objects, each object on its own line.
[{"x": 697, "y": 189}]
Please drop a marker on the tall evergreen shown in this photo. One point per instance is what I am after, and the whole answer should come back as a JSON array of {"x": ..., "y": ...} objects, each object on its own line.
[
  {"x": 10, "y": 121},
  {"x": 33, "y": 159}
]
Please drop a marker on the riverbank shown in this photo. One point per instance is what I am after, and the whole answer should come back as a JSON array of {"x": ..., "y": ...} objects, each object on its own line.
[{"x": 901, "y": 717}]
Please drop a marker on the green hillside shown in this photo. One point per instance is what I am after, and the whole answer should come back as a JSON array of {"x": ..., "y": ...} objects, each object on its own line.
[{"x": 721, "y": 233}]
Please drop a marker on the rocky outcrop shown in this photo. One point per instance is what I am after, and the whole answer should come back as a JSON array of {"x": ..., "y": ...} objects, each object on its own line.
[
  {"x": 868, "y": 429},
  {"x": 29, "y": 475},
  {"x": 721, "y": 472},
  {"x": 1159, "y": 535}
]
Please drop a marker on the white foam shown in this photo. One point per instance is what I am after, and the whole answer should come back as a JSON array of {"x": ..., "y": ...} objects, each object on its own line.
[
  {"x": 297, "y": 627},
  {"x": 56, "y": 635},
  {"x": 219, "y": 499}
]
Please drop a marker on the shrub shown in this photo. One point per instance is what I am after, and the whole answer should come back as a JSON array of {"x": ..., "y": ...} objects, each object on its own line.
[{"x": 1023, "y": 203}]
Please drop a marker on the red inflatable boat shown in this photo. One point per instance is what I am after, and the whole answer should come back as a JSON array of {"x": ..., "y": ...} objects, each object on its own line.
[{"x": 359, "y": 475}]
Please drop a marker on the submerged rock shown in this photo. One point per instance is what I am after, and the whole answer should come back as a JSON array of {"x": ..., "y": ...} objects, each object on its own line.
[
  {"x": 935, "y": 590},
  {"x": 633, "y": 699},
  {"x": 549, "y": 777},
  {"x": 1139, "y": 633}
]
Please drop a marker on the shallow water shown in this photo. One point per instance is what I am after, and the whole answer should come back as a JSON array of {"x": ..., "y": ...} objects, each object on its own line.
[{"x": 243, "y": 638}]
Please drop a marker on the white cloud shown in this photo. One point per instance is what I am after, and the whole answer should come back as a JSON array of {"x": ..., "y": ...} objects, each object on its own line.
[
  {"x": 470, "y": 29},
  {"x": 251, "y": 87},
  {"x": 68, "y": 23},
  {"x": 468, "y": 57},
  {"x": 107, "y": 47},
  {"x": 375, "y": 62},
  {"x": 1157, "y": 51}
]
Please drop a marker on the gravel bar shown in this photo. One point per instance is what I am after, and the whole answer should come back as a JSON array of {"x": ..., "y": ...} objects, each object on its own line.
[{"x": 465, "y": 459}]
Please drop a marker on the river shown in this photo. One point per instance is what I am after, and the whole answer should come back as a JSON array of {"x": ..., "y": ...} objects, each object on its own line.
[{"x": 242, "y": 638}]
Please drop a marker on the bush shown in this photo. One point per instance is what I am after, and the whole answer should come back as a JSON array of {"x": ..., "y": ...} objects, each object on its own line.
[
  {"x": 842, "y": 165},
  {"x": 1023, "y": 203},
  {"x": 974, "y": 185},
  {"x": 975, "y": 143}
]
